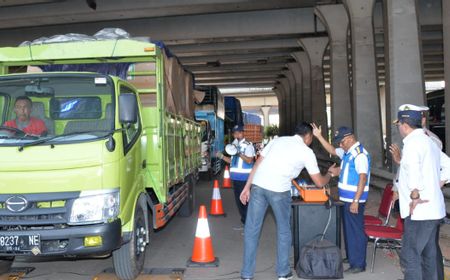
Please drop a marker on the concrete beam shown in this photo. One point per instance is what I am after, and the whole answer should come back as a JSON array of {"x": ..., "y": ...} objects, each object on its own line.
[
  {"x": 446, "y": 31},
  {"x": 296, "y": 70},
  {"x": 226, "y": 25},
  {"x": 292, "y": 101},
  {"x": 241, "y": 81},
  {"x": 233, "y": 58},
  {"x": 335, "y": 19},
  {"x": 266, "y": 84},
  {"x": 303, "y": 60},
  {"x": 235, "y": 46},
  {"x": 366, "y": 100},
  {"x": 237, "y": 67},
  {"x": 234, "y": 75}
]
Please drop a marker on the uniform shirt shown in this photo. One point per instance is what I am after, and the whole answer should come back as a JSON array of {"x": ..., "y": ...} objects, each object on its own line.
[
  {"x": 35, "y": 126},
  {"x": 348, "y": 183},
  {"x": 239, "y": 169},
  {"x": 433, "y": 137},
  {"x": 284, "y": 159},
  {"x": 445, "y": 168},
  {"x": 420, "y": 169}
]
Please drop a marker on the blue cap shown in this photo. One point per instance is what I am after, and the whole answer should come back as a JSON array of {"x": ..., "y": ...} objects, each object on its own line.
[
  {"x": 342, "y": 132},
  {"x": 412, "y": 115},
  {"x": 238, "y": 128}
]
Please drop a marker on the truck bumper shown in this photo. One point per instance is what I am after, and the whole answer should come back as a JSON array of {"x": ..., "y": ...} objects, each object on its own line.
[{"x": 70, "y": 241}]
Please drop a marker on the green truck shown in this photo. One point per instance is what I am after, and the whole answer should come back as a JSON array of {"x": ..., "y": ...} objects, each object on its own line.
[{"x": 119, "y": 156}]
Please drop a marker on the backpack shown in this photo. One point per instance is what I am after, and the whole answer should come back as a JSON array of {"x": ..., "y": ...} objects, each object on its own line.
[{"x": 320, "y": 259}]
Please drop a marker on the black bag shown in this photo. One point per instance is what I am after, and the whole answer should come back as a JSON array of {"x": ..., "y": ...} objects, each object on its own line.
[{"x": 320, "y": 259}]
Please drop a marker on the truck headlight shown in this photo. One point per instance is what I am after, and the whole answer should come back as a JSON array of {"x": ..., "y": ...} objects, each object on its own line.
[{"x": 95, "y": 207}]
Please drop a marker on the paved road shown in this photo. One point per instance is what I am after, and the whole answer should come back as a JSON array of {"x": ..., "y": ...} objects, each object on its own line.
[{"x": 171, "y": 247}]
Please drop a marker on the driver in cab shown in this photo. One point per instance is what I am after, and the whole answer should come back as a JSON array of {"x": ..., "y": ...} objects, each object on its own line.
[{"x": 24, "y": 121}]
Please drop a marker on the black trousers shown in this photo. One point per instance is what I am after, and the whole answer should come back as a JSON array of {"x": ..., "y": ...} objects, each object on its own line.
[
  {"x": 238, "y": 186},
  {"x": 420, "y": 248}
]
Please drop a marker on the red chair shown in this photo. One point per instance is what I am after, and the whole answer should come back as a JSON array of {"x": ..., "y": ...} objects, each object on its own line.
[
  {"x": 384, "y": 210},
  {"x": 385, "y": 237}
]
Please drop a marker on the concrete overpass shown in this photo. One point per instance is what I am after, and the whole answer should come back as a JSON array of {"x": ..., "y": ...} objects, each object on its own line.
[{"x": 368, "y": 56}]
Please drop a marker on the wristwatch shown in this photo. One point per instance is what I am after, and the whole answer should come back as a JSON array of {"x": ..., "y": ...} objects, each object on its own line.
[{"x": 356, "y": 200}]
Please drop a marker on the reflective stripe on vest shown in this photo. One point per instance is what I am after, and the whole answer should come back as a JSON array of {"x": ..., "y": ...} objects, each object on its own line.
[
  {"x": 349, "y": 178},
  {"x": 239, "y": 169}
]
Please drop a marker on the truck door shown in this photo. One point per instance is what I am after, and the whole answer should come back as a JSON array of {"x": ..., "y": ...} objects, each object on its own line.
[{"x": 131, "y": 166}]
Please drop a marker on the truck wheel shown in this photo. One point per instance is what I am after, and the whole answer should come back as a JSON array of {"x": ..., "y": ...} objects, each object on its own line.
[
  {"x": 5, "y": 264},
  {"x": 187, "y": 208},
  {"x": 129, "y": 259}
]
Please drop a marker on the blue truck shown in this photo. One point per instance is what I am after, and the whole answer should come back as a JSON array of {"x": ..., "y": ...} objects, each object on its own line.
[
  {"x": 233, "y": 114},
  {"x": 210, "y": 113}
]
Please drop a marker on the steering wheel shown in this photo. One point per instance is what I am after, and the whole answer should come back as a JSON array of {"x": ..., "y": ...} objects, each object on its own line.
[{"x": 18, "y": 132}]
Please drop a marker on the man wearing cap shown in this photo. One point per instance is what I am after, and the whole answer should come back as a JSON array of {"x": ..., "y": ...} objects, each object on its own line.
[
  {"x": 444, "y": 168},
  {"x": 269, "y": 184},
  {"x": 240, "y": 166},
  {"x": 353, "y": 188},
  {"x": 421, "y": 200}
]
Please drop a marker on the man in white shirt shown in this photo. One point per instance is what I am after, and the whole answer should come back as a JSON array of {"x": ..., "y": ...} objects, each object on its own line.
[
  {"x": 421, "y": 199},
  {"x": 270, "y": 183}
]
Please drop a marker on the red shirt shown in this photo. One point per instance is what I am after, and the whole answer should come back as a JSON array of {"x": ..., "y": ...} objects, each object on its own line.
[{"x": 34, "y": 127}]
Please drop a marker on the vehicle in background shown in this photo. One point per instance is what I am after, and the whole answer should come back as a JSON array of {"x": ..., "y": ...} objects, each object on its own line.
[
  {"x": 436, "y": 117},
  {"x": 120, "y": 157},
  {"x": 233, "y": 115},
  {"x": 210, "y": 113}
]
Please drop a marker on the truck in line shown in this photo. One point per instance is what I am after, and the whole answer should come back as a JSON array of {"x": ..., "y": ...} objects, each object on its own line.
[
  {"x": 119, "y": 158},
  {"x": 210, "y": 112}
]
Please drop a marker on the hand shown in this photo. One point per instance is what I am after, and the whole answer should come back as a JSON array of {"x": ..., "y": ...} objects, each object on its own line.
[
  {"x": 395, "y": 196},
  {"x": 414, "y": 203},
  {"x": 219, "y": 155},
  {"x": 245, "y": 195},
  {"x": 354, "y": 207},
  {"x": 334, "y": 170},
  {"x": 396, "y": 153},
  {"x": 317, "y": 131}
]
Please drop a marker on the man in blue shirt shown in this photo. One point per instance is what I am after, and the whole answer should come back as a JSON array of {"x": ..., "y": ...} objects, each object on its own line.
[{"x": 353, "y": 187}]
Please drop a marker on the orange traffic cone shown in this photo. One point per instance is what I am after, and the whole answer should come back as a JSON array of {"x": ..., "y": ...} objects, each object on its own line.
[
  {"x": 216, "y": 201},
  {"x": 203, "y": 252},
  {"x": 226, "y": 178}
]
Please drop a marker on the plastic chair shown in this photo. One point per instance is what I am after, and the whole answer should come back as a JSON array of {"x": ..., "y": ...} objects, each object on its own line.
[
  {"x": 385, "y": 237},
  {"x": 384, "y": 210}
]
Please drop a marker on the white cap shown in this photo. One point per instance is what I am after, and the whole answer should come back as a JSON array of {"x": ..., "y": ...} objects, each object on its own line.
[{"x": 412, "y": 107}]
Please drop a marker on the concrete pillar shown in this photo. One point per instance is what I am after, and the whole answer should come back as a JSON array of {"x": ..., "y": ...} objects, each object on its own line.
[
  {"x": 402, "y": 52},
  {"x": 296, "y": 70},
  {"x": 335, "y": 19},
  {"x": 280, "y": 97},
  {"x": 303, "y": 60},
  {"x": 292, "y": 103},
  {"x": 366, "y": 101},
  {"x": 265, "y": 110},
  {"x": 284, "y": 85},
  {"x": 446, "y": 30},
  {"x": 315, "y": 48}
]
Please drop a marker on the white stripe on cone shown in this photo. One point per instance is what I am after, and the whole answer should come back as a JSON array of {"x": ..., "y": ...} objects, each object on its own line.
[
  {"x": 202, "y": 230},
  {"x": 216, "y": 194},
  {"x": 226, "y": 175}
]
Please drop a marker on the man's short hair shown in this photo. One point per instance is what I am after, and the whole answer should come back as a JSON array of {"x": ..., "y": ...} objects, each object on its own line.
[
  {"x": 303, "y": 129},
  {"x": 23, "y": 97},
  {"x": 412, "y": 123}
]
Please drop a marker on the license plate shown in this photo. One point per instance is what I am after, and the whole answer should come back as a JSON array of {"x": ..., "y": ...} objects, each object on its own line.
[{"x": 19, "y": 243}]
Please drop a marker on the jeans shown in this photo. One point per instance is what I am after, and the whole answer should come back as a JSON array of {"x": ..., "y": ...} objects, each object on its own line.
[
  {"x": 280, "y": 203},
  {"x": 354, "y": 236},
  {"x": 238, "y": 186},
  {"x": 420, "y": 249}
]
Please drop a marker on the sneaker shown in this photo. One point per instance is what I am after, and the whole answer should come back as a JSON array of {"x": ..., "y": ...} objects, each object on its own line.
[
  {"x": 289, "y": 276},
  {"x": 354, "y": 270},
  {"x": 239, "y": 227}
]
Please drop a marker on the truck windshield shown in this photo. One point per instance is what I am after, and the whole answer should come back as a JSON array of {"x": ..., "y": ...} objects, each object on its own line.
[{"x": 74, "y": 107}]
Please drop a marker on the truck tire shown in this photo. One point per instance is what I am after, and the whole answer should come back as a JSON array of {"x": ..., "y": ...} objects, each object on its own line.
[
  {"x": 187, "y": 208},
  {"x": 5, "y": 264},
  {"x": 129, "y": 259}
]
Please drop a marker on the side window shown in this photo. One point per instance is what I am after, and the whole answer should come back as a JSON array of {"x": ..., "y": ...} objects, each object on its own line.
[
  {"x": 3, "y": 109},
  {"x": 131, "y": 132}
]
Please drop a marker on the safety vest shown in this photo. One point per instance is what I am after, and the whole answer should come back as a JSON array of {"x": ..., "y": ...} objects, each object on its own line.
[
  {"x": 349, "y": 178},
  {"x": 239, "y": 169}
]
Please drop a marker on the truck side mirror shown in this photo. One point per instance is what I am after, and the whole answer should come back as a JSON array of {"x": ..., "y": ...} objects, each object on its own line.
[{"x": 128, "y": 109}]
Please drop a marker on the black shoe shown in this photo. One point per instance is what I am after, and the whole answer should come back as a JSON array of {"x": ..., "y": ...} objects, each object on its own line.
[
  {"x": 354, "y": 270},
  {"x": 289, "y": 276},
  {"x": 246, "y": 278}
]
